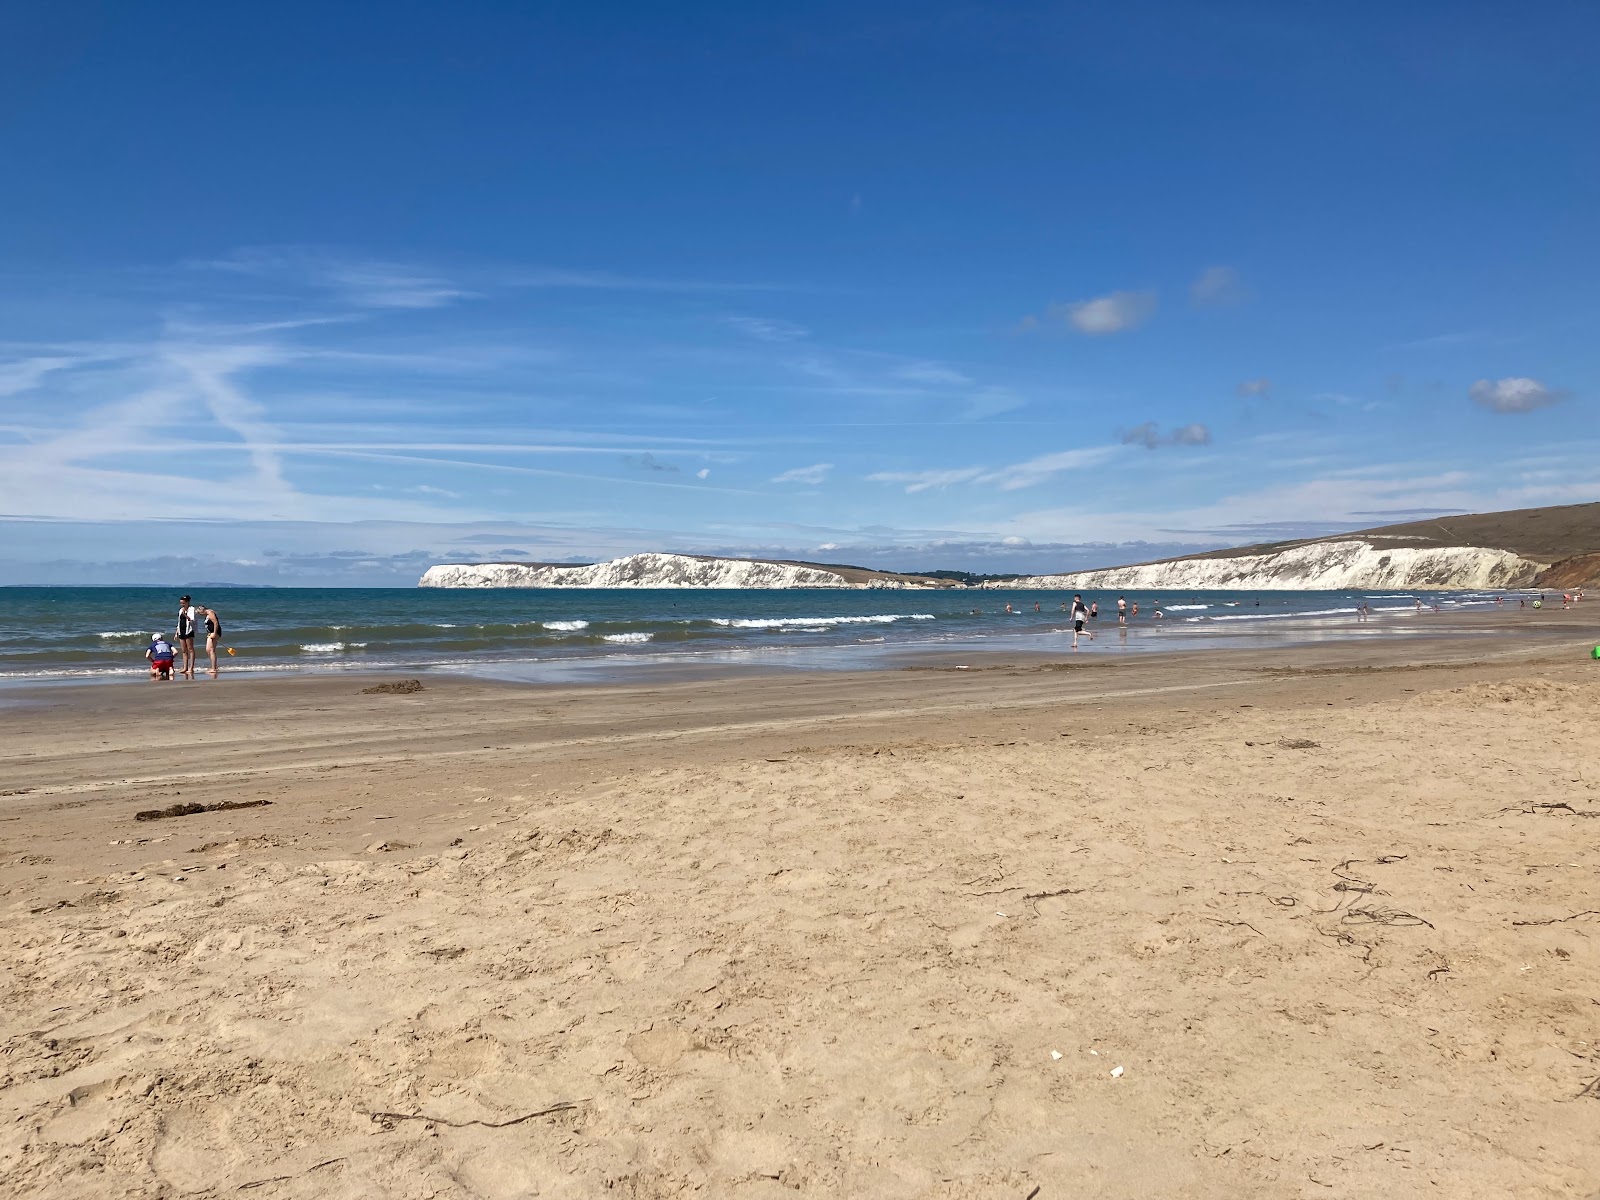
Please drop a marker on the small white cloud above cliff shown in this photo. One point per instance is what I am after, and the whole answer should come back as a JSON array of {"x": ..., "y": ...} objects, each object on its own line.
[{"x": 1514, "y": 395}]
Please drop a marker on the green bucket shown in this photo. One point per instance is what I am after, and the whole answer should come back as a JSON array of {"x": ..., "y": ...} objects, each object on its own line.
[{"x": 1597, "y": 651}]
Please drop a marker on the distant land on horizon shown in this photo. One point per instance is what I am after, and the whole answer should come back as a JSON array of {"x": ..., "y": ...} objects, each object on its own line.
[{"x": 1548, "y": 535}]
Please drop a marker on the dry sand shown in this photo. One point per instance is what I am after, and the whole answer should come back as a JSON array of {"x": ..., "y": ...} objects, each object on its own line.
[{"x": 1279, "y": 924}]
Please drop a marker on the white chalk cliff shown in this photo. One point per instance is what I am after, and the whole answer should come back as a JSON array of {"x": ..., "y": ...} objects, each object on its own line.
[
  {"x": 1316, "y": 566},
  {"x": 644, "y": 571}
]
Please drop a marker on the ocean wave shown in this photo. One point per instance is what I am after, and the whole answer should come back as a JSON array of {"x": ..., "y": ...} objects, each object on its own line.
[
  {"x": 1185, "y": 607},
  {"x": 322, "y": 647},
  {"x": 118, "y": 635},
  {"x": 813, "y": 622},
  {"x": 1319, "y": 612},
  {"x": 564, "y": 626},
  {"x": 628, "y": 639}
]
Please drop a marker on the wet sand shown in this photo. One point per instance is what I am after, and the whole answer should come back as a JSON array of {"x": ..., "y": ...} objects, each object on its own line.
[{"x": 1331, "y": 910}]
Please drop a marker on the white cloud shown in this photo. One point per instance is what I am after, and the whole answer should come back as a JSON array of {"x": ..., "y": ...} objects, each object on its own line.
[
  {"x": 1254, "y": 387},
  {"x": 1514, "y": 395},
  {"x": 1116, "y": 313},
  {"x": 1217, "y": 287},
  {"x": 815, "y": 473},
  {"x": 1007, "y": 479},
  {"x": 703, "y": 473}
]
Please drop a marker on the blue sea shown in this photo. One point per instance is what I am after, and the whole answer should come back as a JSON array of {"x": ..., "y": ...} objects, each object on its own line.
[{"x": 100, "y": 633}]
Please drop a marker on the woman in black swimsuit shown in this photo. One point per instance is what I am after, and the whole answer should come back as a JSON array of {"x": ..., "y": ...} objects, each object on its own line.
[{"x": 213, "y": 636}]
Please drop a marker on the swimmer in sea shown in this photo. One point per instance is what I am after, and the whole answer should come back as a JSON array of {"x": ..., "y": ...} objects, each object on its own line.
[{"x": 1122, "y": 610}]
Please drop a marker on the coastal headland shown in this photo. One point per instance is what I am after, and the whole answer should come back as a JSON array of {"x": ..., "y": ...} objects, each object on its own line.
[
  {"x": 1256, "y": 923},
  {"x": 1556, "y": 547}
]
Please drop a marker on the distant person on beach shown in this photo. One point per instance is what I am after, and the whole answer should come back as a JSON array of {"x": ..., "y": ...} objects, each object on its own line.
[
  {"x": 160, "y": 656},
  {"x": 1080, "y": 614},
  {"x": 1122, "y": 610},
  {"x": 213, "y": 636},
  {"x": 188, "y": 620},
  {"x": 1035, "y": 606},
  {"x": 1133, "y": 611},
  {"x": 1094, "y": 609}
]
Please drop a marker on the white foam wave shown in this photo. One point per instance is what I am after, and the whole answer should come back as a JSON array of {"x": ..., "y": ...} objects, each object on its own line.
[
  {"x": 322, "y": 647},
  {"x": 1318, "y": 612},
  {"x": 565, "y": 626},
  {"x": 1186, "y": 607},
  {"x": 628, "y": 639},
  {"x": 120, "y": 634},
  {"x": 814, "y": 622}
]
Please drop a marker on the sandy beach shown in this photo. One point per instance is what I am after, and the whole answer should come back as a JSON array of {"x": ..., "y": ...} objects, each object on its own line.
[{"x": 1311, "y": 922}]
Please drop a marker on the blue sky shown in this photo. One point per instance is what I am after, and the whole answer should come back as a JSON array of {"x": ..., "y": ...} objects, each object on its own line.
[{"x": 325, "y": 293}]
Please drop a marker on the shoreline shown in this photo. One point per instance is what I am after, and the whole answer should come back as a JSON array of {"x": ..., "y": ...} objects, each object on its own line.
[{"x": 669, "y": 661}]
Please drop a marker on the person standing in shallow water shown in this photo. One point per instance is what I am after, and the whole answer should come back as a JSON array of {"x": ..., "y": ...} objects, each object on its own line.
[
  {"x": 213, "y": 636},
  {"x": 188, "y": 618}
]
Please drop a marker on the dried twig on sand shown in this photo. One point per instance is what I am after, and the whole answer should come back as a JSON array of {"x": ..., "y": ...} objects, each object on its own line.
[
  {"x": 543, "y": 1112},
  {"x": 1588, "y": 912}
]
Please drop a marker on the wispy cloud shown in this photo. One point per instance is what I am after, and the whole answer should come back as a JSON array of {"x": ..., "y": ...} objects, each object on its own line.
[
  {"x": 1008, "y": 479},
  {"x": 933, "y": 373},
  {"x": 1254, "y": 388},
  {"x": 1514, "y": 395},
  {"x": 362, "y": 283},
  {"x": 1217, "y": 287},
  {"x": 768, "y": 329},
  {"x": 1038, "y": 470},
  {"x": 647, "y": 462},
  {"x": 814, "y": 474},
  {"x": 922, "y": 481}
]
